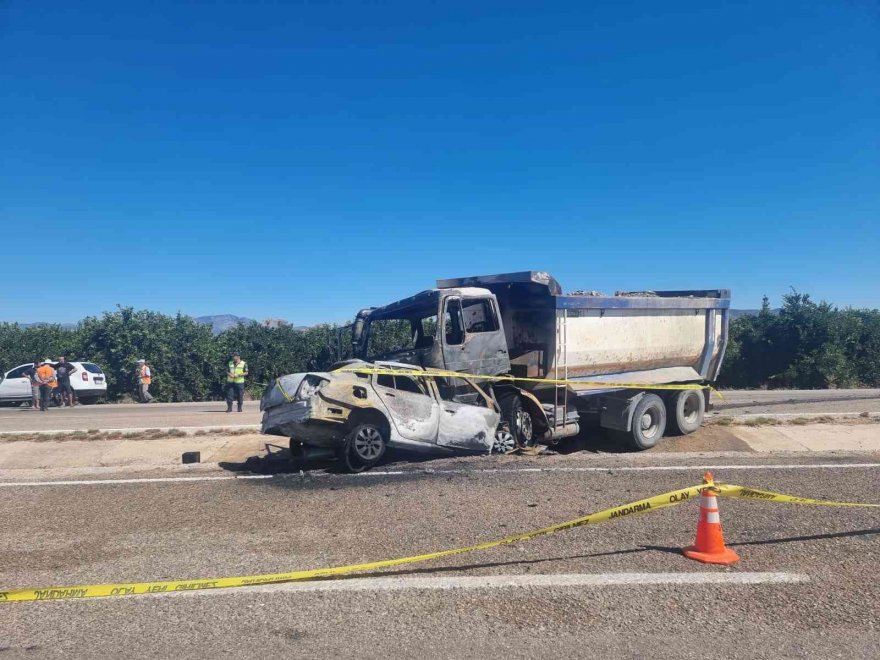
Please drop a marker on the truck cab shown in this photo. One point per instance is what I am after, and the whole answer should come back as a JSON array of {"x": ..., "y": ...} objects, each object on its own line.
[{"x": 458, "y": 329}]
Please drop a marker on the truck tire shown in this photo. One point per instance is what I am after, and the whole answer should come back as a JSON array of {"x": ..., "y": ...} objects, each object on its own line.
[
  {"x": 364, "y": 446},
  {"x": 518, "y": 419},
  {"x": 685, "y": 411},
  {"x": 648, "y": 422}
]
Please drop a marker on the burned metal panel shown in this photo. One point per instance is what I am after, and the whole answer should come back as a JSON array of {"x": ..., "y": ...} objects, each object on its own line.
[
  {"x": 648, "y": 376},
  {"x": 464, "y": 426},
  {"x": 464, "y": 348},
  {"x": 529, "y": 317},
  {"x": 537, "y": 277},
  {"x": 415, "y": 416},
  {"x": 623, "y": 340},
  {"x": 710, "y": 344},
  {"x": 647, "y": 303},
  {"x": 723, "y": 331}
]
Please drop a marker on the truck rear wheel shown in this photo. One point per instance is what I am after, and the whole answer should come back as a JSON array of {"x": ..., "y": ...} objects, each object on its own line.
[
  {"x": 518, "y": 420},
  {"x": 685, "y": 410},
  {"x": 648, "y": 422}
]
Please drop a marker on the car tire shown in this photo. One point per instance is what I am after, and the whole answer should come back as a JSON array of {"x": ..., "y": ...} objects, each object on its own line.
[
  {"x": 648, "y": 422},
  {"x": 685, "y": 411},
  {"x": 364, "y": 446},
  {"x": 518, "y": 419}
]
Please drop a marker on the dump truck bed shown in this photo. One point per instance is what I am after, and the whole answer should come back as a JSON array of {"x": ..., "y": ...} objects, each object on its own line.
[{"x": 648, "y": 336}]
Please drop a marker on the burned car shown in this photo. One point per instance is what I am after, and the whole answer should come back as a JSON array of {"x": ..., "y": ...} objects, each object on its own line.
[{"x": 357, "y": 416}]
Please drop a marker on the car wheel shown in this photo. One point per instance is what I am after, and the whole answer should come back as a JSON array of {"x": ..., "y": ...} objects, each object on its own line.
[
  {"x": 685, "y": 411},
  {"x": 364, "y": 446},
  {"x": 648, "y": 422},
  {"x": 504, "y": 442},
  {"x": 518, "y": 420}
]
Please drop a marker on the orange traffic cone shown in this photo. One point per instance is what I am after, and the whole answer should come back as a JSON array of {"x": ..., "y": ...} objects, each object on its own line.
[{"x": 709, "y": 547}]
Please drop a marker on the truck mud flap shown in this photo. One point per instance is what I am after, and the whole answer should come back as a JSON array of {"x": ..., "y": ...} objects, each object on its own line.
[{"x": 616, "y": 411}]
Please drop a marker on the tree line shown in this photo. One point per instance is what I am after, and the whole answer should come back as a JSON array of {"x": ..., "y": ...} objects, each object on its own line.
[
  {"x": 805, "y": 345},
  {"x": 188, "y": 362}
]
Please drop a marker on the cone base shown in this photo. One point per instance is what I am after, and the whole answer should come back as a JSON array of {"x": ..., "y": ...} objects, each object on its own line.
[{"x": 725, "y": 557}]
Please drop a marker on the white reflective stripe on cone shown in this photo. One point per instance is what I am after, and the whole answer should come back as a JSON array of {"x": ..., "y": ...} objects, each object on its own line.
[
  {"x": 710, "y": 502},
  {"x": 713, "y": 517}
]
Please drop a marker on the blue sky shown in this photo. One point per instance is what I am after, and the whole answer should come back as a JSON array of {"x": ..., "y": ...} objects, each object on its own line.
[{"x": 305, "y": 160}]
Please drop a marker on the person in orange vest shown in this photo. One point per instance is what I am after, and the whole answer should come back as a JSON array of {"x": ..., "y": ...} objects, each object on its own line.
[
  {"x": 48, "y": 382},
  {"x": 145, "y": 377}
]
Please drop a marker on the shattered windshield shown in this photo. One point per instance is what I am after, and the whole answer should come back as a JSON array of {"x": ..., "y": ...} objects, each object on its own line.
[{"x": 390, "y": 336}]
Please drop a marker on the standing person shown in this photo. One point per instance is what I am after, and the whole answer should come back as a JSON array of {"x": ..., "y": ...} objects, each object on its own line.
[
  {"x": 64, "y": 370},
  {"x": 48, "y": 382},
  {"x": 145, "y": 377},
  {"x": 31, "y": 374},
  {"x": 236, "y": 372}
]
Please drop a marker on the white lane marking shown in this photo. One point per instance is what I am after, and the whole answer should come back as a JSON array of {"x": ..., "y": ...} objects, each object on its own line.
[
  {"x": 644, "y": 468},
  {"x": 135, "y": 429},
  {"x": 423, "y": 473},
  {"x": 145, "y": 480},
  {"x": 805, "y": 415},
  {"x": 451, "y": 582}
]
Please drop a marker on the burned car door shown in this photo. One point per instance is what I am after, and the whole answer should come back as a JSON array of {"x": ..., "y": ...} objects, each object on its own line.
[
  {"x": 467, "y": 418},
  {"x": 413, "y": 411}
]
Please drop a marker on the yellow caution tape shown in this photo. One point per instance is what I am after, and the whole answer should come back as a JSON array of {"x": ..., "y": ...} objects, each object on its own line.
[
  {"x": 654, "y": 503},
  {"x": 589, "y": 384},
  {"x": 135, "y": 588},
  {"x": 728, "y": 490},
  {"x": 288, "y": 397}
]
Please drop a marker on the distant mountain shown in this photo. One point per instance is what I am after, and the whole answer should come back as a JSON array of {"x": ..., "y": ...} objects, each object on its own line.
[
  {"x": 221, "y": 322},
  {"x": 66, "y": 326}
]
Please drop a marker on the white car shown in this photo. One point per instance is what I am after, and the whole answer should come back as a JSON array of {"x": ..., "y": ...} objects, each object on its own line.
[
  {"x": 88, "y": 382},
  {"x": 356, "y": 416}
]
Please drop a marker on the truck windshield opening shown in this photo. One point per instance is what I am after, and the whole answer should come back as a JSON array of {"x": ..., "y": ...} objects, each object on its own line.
[{"x": 405, "y": 333}]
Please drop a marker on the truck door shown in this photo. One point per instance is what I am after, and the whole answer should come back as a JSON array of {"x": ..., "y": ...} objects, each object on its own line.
[{"x": 473, "y": 339}]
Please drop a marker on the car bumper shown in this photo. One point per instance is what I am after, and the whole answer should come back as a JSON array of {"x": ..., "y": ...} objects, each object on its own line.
[
  {"x": 90, "y": 392},
  {"x": 298, "y": 420}
]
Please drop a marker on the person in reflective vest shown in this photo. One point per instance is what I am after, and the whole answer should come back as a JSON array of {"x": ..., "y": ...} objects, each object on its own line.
[
  {"x": 45, "y": 375},
  {"x": 145, "y": 379},
  {"x": 236, "y": 372}
]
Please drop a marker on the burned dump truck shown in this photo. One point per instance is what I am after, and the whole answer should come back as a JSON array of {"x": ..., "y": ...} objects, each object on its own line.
[{"x": 522, "y": 325}]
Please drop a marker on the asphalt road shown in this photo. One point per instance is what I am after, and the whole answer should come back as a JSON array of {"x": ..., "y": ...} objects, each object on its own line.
[
  {"x": 85, "y": 533},
  {"x": 212, "y": 414},
  {"x": 788, "y": 402}
]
